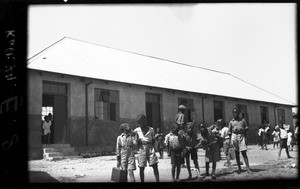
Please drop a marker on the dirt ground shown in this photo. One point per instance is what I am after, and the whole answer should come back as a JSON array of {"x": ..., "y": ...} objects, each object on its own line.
[{"x": 263, "y": 163}]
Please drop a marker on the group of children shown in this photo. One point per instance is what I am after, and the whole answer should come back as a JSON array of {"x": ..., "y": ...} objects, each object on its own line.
[
  {"x": 283, "y": 138},
  {"x": 182, "y": 144}
]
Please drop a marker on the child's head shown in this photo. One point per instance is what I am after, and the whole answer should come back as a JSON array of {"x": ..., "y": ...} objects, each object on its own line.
[
  {"x": 182, "y": 108},
  {"x": 124, "y": 127},
  {"x": 276, "y": 128},
  {"x": 220, "y": 124},
  {"x": 47, "y": 118},
  {"x": 141, "y": 120},
  {"x": 190, "y": 127},
  {"x": 202, "y": 128},
  {"x": 157, "y": 130},
  {"x": 174, "y": 129}
]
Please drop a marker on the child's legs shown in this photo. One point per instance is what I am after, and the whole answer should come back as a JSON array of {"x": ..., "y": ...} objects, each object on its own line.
[
  {"x": 237, "y": 157},
  {"x": 142, "y": 176},
  {"x": 207, "y": 168},
  {"x": 188, "y": 165},
  {"x": 287, "y": 152},
  {"x": 156, "y": 173},
  {"x": 279, "y": 152},
  {"x": 178, "y": 171},
  {"x": 214, "y": 165},
  {"x": 47, "y": 138},
  {"x": 173, "y": 171},
  {"x": 244, "y": 154},
  {"x": 131, "y": 175}
]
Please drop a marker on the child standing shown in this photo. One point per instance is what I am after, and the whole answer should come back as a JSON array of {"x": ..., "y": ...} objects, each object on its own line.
[
  {"x": 226, "y": 142},
  {"x": 276, "y": 138},
  {"x": 264, "y": 135},
  {"x": 191, "y": 141},
  {"x": 211, "y": 145},
  {"x": 159, "y": 143},
  {"x": 46, "y": 127},
  {"x": 125, "y": 150},
  {"x": 283, "y": 140},
  {"x": 176, "y": 145},
  {"x": 290, "y": 140}
]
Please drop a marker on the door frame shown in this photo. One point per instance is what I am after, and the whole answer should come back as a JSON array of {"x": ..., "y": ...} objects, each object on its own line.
[{"x": 53, "y": 94}]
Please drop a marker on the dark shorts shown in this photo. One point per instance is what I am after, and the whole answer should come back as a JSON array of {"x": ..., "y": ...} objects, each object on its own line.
[
  {"x": 213, "y": 154},
  {"x": 283, "y": 143},
  {"x": 176, "y": 157}
]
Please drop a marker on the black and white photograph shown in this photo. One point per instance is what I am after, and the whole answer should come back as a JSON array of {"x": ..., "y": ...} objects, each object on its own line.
[{"x": 173, "y": 92}]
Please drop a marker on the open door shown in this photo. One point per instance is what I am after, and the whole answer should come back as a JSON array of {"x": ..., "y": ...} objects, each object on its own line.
[
  {"x": 60, "y": 119},
  {"x": 55, "y": 102}
]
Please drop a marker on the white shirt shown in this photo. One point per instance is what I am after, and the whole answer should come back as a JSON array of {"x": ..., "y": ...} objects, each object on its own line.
[
  {"x": 46, "y": 127},
  {"x": 283, "y": 133},
  {"x": 224, "y": 133},
  {"x": 148, "y": 137}
]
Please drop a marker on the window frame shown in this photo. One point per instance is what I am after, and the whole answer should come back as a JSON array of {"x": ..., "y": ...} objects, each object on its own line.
[
  {"x": 245, "y": 115},
  {"x": 103, "y": 104},
  {"x": 279, "y": 116},
  {"x": 190, "y": 112},
  {"x": 266, "y": 114},
  {"x": 222, "y": 109}
]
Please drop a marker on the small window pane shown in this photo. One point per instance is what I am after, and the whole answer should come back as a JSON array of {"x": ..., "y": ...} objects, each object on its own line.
[
  {"x": 46, "y": 88},
  {"x": 53, "y": 88},
  {"x": 62, "y": 89}
]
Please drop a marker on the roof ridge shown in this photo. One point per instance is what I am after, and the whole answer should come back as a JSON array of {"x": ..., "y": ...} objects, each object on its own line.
[
  {"x": 171, "y": 61},
  {"x": 55, "y": 43},
  {"x": 262, "y": 89}
]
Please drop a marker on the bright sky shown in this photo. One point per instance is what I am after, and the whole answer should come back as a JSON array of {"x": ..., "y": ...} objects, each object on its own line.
[{"x": 255, "y": 42}]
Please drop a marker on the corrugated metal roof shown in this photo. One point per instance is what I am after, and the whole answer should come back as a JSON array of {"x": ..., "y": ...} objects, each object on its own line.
[{"x": 75, "y": 57}]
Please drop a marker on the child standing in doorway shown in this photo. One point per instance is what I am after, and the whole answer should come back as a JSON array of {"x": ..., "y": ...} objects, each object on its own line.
[{"x": 46, "y": 127}]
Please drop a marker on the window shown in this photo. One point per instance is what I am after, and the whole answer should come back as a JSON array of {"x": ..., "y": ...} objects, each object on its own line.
[
  {"x": 218, "y": 110},
  {"x": 264, "y": 114},
  {"x": 281, "y": 116},
  {"x": 244, "y": 113},
  {"x": 190, "y": 112},
  {"x": 106, "y": 104},
  {"x": 46, "y": 110},
  {"x": 54, "y": 88}
]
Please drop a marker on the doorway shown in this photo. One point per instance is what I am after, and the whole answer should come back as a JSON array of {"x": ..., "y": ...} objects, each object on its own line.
[
  {"x": 153, "y": 112},
  {"x": 55, "y": 102}
]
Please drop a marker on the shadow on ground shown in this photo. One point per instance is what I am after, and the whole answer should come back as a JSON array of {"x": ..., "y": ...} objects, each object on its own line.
[{"x": 39, "y": 176}]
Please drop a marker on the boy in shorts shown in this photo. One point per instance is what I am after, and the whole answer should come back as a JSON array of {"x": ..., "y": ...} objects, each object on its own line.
[
  {"x": 146, "y": 153},
  {"x": 125, "y": 150},
  {"x": 237, "y": 131}
]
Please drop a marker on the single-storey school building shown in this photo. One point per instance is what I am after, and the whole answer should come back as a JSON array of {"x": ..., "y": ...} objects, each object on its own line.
[{"x": 91, "y": 89}]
